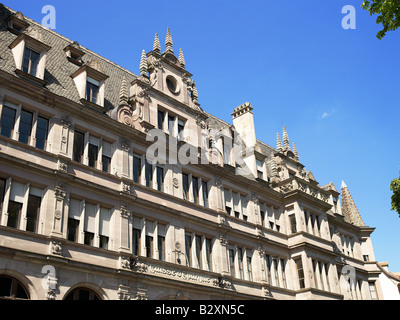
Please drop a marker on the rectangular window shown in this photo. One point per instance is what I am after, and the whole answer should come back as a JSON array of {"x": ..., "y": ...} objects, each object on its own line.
[
  {"x": 42, "y": 129},
  {"x": 25, "y": 126},
  {"x": 106, "y": 156},
  {"x": 199, "y": 251},
  {"x": 181, "y": 127},
  {"x": 195, "y": 190},
  {"x": 232, "y": 262},
  {"x": 372, "y": 290},
  {"x": 2, "y": 192},
  {"x": 185, "y": 186},
  {"x": 188, "y": 249},
  {"x": 148, "y": 174},
  {"x": 136, "y": 241},
  {"x": 262, "y": 213},
  {"x": 161, "y": 248},
  {"x": 160, "y": 178},
  {"x": 7, "y": 121},
  {"x": 137, "y": 168},
  {"x": 149, "y": 246},
  {"x": 93, "y": 153},
  {"x": 14, "y": 214},
  {"x": 30, "y": 61},
  {"x": 73, "y": 227},
  {"x": 89, "y": 236},
  {"x": 283, "y": 273},
  {"x": 240, "y": 262},
  {"x": 275, "y": 263},
  {"x": 209, "y": 254},
  {"x": 104, "y": 242},
  {"x": 104, "y": 227},
  {"x": 79, "y": 144},
  {"x": 260, "y": 169},
  {"x": 204, "y": 190},
  {"x": 300, "y": 273},
  {"x": 32, "y": 212},
  {"x": 160, "y": 120},
  {"x": 268, "y": 268},
  {"x": 249, "y": 269},
  {"x": 92, "y": 90},
  {"x": 171, "y": 124},
  {"x": 366, "y": 258},
  {"x": 293, "y": 226}
]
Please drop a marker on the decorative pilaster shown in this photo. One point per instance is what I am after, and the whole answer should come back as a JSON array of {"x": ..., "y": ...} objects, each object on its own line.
[
  {"x": 65, "y": 124},
  {"x": 124, "y": 234},
  {"x": 59, "y": 196}
]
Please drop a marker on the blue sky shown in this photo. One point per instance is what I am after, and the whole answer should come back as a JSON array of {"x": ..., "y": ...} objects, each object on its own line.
[{"x": 335, "y": 90}]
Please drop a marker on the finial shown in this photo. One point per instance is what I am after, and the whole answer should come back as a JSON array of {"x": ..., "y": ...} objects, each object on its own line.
[
  {"x": 285, "y": 139},
  {"x": 296, "y": 154},
  {"x": 168, "y": 42},
  {"x": 156, "y": 44},
  {"x": 278, "y": 143},
  {"x": 143, "y": 64},
  {"x": 181, "y": 58},
  {"x": 343, "y": 185},
  {"x": 123, "y": 93}
]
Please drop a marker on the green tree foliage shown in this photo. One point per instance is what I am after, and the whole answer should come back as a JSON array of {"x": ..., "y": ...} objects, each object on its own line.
[
  {"x": 395, "y": 187},
  {"x": 388, "y": 14}
]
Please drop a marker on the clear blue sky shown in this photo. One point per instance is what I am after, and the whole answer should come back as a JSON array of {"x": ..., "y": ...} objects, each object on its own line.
[{"x": 335, "y": 90}]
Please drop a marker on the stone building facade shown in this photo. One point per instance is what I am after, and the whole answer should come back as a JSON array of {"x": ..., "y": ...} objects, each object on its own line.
[{"x": 120, "y": 186}]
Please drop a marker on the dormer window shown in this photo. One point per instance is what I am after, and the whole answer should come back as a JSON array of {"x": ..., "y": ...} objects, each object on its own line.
[
  {"x": 92, "y": 90},
  {"x": 16, "y": 23},
  {"x": 90, "y": 83},
  {"x": 30, "y": 57},
  {"x": 30, "y": 61},
  {"x": 74, "y": 53}
]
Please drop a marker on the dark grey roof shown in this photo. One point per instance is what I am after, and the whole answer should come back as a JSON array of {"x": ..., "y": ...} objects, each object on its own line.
[{"x": 58, "y": 68}]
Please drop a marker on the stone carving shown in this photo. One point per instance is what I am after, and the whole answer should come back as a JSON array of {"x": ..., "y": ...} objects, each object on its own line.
[
  {"x": 125, "y": 263},
  {"x": 126, "y": 187},
  {"x": 125, "y": 213},
  {"x": 56, "y": 248},
  {"x": 175, "y": 182},
  {"x": 223, "y": 240},
  {"x": 59, "y": 191},
  {"x": 223, "y": 283},
  {"x": 123, "y": 293}
]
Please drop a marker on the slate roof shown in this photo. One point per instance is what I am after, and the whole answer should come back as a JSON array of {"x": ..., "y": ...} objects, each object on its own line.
[{"x": 58, "y": 69}]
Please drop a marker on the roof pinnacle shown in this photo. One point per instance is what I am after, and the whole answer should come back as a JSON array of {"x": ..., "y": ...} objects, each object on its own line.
[
  {"x": 278, "y": 143},
  {"x": 143, "y": 64},
  {"x": 181, "y": 58},
  {"x": 156, "y": 44},
  {"x": 169, "y": 42}
]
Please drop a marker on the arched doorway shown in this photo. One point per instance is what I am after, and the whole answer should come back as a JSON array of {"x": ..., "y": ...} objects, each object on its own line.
[
  {"x": 82, "y": 294},
  {"x": 12, "y": 289}
]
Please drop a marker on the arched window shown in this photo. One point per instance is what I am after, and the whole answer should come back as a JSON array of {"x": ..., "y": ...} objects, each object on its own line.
[
  {"x": 82, "y": 294},
  {"x": 12, "y": 289}
]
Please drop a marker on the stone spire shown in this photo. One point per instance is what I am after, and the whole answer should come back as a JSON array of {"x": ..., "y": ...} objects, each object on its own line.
[
  {"x": 278, "y": 143},
  {"x": 169, "y": 42},
  {"x": 349, "y": 209},
  {"x": 143, "y": 64},
  {"x": 181, "y": 58},
  {"x": 123, "y": 93},
  {"x": 285, "y": 140},
  {"x": 296, "y": 154},
  {"x": 156, "y": 44}
]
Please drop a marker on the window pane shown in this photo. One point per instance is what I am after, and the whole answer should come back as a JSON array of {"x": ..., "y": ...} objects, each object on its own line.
[
  {"x": 160, "y": 120},
  {"x": 41, "y": 132},
  {"x": 7, "y": 121},
  {"x": 205, "y": 193},
  {"x": 136, "y": 242},
  {"x": 79, "y": 139},
  {"x": 199, "y": 248},
  {"x": 171, "y": 123},
  {"x": 188, "y": 247},
  {"x": 148, "y": 174},
  {"x": 73, "y": 229},
  {"x": 103, "y": 242},
  {"x": 14, "y": 211},
  {"x": 209, "y": 254},
  {"x": 160, "y": 179},
  {"x": 137, "y": 166},
  {"x": 185, "y": 186},
  {"x": 32, "y": 213},
  {"x": 5, "y": 287},
  {"x": 161, "y": 248},
  {"x": 93, "y": 153},
  {"x": 25, "y": 126},
  {"x": 106, "y": 163},
  {"x": 195, "y": 190},
  {"x": 149, "y": 246}
]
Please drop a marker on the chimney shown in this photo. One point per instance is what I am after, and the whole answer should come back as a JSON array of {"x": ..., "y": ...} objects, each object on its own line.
[{"x": 244, "y": 125}]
